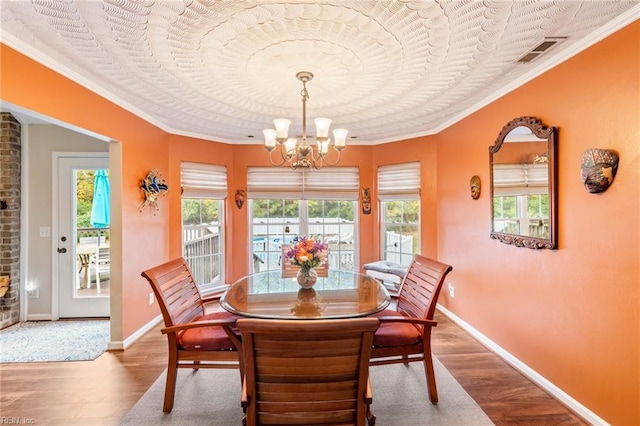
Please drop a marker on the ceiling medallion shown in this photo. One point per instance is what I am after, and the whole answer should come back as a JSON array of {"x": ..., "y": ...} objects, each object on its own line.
[{"x": 300, "y": 154}]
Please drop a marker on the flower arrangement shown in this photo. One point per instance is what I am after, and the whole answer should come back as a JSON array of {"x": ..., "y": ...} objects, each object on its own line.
[{"x": 307, "y": 253}]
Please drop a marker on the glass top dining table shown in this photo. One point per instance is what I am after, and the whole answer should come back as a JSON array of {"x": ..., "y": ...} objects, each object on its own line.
[{"x": 342, "y": 294}]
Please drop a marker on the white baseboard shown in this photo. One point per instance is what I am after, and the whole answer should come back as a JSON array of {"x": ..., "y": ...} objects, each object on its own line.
[
  {"x": 533, "y": 375},
  {"x": 39, "y": 317},
  {"x": 119, "y": 345}
]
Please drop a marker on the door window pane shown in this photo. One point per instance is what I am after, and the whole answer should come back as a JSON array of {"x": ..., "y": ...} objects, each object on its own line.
[{"x": 93, "y": 265}]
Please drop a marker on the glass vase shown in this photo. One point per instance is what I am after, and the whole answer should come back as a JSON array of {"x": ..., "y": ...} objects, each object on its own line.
[{"x": 307, "y": 277}]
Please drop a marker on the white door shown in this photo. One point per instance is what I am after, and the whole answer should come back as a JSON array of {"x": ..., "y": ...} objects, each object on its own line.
[{"x": 82, "y": 250}]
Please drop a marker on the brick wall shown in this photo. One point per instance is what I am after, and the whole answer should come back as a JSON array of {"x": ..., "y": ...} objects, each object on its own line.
[{"x": 10, "y": 154}]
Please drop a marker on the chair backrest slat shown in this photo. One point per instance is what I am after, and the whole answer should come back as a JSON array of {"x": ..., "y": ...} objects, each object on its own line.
[
  {"x": 177, "y": 293},
  {"x": 421, "y": 286},
  {"x": 308, "y": 371}
]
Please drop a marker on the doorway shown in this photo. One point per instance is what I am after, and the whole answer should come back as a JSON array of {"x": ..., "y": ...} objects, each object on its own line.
[{"x": 82, "y": 247}]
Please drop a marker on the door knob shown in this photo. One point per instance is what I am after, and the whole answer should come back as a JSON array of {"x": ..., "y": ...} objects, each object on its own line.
[{"x": 62, "y": 250}]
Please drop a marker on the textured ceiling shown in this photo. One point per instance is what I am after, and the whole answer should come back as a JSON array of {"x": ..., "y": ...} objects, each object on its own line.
[{"x": 384, "y": 70}]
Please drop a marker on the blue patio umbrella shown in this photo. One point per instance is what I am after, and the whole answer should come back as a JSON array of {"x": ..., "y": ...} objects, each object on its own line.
[{"x": 100, "y": 216}]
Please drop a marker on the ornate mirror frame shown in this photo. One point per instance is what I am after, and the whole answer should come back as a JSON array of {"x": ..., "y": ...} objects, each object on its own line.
[{"x": 549, "y": 157}]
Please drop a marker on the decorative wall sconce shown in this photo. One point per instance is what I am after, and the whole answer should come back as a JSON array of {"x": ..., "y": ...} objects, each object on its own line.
[
  {"x": 153, "y": 186},
  {"x": 598, "y": 169},
  {"x": 240, "y": 196},
  {"x": 474, "y": 185},
  {"x": 366, "y": 201}
]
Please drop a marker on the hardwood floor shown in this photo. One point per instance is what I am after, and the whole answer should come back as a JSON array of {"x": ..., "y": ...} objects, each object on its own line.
[
  {"x": 101, "y": 392},
  {"x": 505, "y": 395}
]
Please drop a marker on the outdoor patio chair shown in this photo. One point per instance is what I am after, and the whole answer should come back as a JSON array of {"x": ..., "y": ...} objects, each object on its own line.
[
  {"x": 196, "y": 339},
  {"x": 405, "y": 333},
  {"x": 99, "y": 263},
  {"x": 307, "y": 372}
]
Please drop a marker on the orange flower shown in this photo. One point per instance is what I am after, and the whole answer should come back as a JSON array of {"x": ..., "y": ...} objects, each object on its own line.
[
  {"x": 307, "y": 245},
  {"x": 307, "y": 253}
]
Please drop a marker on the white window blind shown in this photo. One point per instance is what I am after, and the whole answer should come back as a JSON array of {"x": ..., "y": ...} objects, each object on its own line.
[
  {"x": 335, "y": 183},
  {"x": 399, "y": 182},
  {"x": 520, "y": 179},
  {"x": 201, "y": 180}
]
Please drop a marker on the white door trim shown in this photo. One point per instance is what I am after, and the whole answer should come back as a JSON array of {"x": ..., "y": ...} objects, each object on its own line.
[
  {"x": 55, "y": 237},
  {"x": 24, "y": 224}
]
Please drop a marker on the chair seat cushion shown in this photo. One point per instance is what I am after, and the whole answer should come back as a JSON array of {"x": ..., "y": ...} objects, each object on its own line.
[
  {"x": 391, "y": 334},
  {"x": 207, "y": 338}
]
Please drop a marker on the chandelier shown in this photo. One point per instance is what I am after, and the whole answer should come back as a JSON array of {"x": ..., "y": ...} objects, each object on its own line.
[{"x": 301, "y": 154}]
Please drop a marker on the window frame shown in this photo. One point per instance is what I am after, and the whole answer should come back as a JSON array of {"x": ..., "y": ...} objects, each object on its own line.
[
  {"x": 302, "y": 224},
  {"x": 404, "y": 259},
  {"x": 206, "y": 182},
  {"x": 399, "y": 183}
]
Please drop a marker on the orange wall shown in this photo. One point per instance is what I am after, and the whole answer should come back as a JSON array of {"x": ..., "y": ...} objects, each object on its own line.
[
  {"x": 571, "y": 314},
  {"x": 145, "y": 237},
  {"x": 423, "y": 150}
]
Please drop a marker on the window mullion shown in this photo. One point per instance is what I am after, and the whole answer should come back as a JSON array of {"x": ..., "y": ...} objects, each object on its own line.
[{"x": 303, "y": 211}]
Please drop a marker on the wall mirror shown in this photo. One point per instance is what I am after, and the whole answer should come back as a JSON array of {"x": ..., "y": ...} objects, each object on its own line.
[{"x": 522, "y": 166}]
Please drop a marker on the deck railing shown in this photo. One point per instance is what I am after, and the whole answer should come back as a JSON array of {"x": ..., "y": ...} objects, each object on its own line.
[
  {"x": 202, "y": 252},
  {"x": 267, "y": 256}
]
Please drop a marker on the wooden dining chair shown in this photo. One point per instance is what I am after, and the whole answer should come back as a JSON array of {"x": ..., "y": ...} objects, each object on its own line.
[
  {"x": 307, "y": 372},
  {"x": 405, "y": 333},
  {"x": 196, "y": 339},
  {"x": 289, "y": 270}
]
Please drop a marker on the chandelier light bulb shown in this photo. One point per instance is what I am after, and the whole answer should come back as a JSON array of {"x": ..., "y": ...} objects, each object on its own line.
[
  {"x": 282, "y": 128},
  {"x": 322, "y": 128},
  {"x": 269, "y": 139},
  {"x": 340, "y": 138},
  {"x": 290, "y": 146},
  {"x": 323, "y": 147}
]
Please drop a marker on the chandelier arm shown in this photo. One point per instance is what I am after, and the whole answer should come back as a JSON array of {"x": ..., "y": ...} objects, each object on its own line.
[
  {"x": 314, "y": 158},
  {"x": 323, "y": 160},
  {"x": 284, "y": 160}
]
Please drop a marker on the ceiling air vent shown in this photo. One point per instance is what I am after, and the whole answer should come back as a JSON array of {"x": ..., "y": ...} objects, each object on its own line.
[{"x": 546, "y": 44}]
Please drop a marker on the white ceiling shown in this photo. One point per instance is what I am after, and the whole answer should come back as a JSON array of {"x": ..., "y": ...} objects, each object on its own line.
[{"x": 384, "y": 70}]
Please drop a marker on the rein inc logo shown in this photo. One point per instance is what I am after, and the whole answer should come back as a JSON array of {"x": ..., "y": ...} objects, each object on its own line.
[{"x": 6, "y": 420}]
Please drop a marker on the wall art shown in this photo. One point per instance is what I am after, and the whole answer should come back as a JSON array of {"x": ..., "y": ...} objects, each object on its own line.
[
  {"x": 366, "y": 201},
  {"x": 153, "y": 186},
  {"x": 474, "y": 186},
  {"x": 239, "y": 198},
  {"x": 598, "y": 169}
]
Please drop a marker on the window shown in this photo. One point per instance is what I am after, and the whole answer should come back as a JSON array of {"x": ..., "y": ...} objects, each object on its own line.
[
  {"x": 522, "y": 214},
  {"x": 285, "y": 204},
  {"x": 399, "y": 195},
  {"x": 204, "y": 189},
  {"x": 521, "y": 202}
]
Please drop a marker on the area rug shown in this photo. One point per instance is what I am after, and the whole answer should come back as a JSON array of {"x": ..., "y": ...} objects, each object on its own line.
[
  {"x": 212, "y": 396},
  {"x": 46, "y": 341}
]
